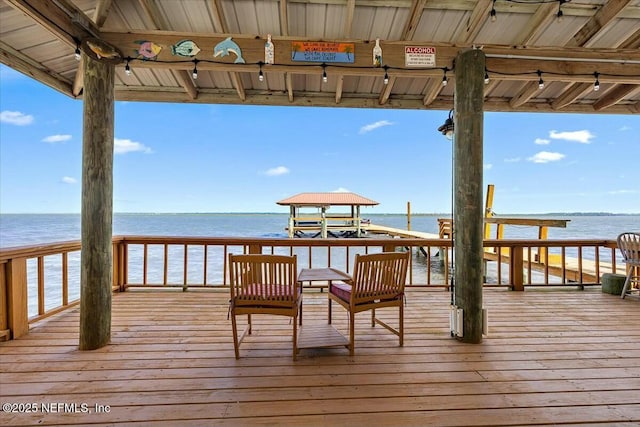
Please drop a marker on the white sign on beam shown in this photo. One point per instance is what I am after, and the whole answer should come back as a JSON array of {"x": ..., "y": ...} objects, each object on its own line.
[{"x": 419, "y": 56}]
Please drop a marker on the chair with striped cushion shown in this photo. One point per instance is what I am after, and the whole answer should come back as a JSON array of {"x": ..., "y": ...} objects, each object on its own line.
[
  {"x": 263, "y": 284},
  {"x": 378, "y": 282}
]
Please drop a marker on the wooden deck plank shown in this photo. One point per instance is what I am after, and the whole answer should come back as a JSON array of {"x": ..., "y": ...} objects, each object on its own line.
[{"x": 552, "y": 357}]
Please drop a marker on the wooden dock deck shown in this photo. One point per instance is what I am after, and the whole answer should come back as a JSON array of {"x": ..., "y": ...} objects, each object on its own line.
[
  {"x": 573, "y": 269},
  {"x": 552, "y": 357}
]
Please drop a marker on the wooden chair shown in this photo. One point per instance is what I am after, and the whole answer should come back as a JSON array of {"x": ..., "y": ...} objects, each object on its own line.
[
  {"x": 263, "y": 284},
  {"x": 378, "y": 281},
  {"x": 629, "y": 245}
]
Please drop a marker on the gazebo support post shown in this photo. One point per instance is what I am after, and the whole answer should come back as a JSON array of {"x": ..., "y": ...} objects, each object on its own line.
[
  {"x": 96, "y": 269},
  {"x": 468, "y": 209}
]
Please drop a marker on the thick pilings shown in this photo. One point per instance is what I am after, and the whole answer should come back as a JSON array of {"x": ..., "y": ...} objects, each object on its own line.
[
  {"x": 468, "y": 209},
  {"x": 96, "y": 271}
]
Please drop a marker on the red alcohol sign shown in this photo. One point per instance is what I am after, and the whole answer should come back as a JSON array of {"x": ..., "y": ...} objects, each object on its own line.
[{"x": 419, "y": 56}]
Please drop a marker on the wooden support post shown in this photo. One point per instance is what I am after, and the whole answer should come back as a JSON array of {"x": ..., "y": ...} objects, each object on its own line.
[
  {"x": 292, "y": 215},
  {"x": 468, "y": 210},
  {"x": 323, "y": 226},
  {"x": 17, "y": 303},
  {"x": 408, "y": 216},
  {"x": 97, "y": 204},
  {"x": 516, "y": 268}
]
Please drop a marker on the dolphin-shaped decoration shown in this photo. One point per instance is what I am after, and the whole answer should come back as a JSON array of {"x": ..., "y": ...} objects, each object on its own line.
[{"x": 227, "y": 45}]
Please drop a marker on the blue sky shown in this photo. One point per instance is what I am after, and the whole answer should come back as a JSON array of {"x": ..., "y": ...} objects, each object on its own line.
[{"x": 224, "y": 158}]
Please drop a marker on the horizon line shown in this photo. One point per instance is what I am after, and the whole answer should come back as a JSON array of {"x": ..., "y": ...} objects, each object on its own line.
[{"x": 599, "y": 213}]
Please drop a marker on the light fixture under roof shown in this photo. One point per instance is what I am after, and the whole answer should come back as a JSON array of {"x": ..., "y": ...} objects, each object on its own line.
[
  {"x": 448, "y": 128},
  {"x": 195, "y": 69}
]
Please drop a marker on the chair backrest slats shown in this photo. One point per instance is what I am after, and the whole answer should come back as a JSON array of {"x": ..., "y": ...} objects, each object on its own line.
[
  {"x": 259, "y": 278},
  {"x": 629, "y": 245},
  {"x": 379, "y": 276}
]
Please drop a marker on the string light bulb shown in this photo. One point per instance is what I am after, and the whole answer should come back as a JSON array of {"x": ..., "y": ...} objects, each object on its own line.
[
  {"x": 540, "y": 81},
  {"x": 492, "y": 14},
  {"x": 596, "y": 84},
  {"x": 260, "y": 74},
  {"x": 77, "y": 53},
  {"x": 386, "y": 75},
  {"x": 445, "y": 80},
  {"x": 127, "y": 68},
  {"x": 324, "y": 74},
  {"x": 486, "y": 76},
  {"x": 195, "y": 69}
]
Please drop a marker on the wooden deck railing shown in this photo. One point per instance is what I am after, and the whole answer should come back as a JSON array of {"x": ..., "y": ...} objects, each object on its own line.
[{"x": 38, "y": 281}]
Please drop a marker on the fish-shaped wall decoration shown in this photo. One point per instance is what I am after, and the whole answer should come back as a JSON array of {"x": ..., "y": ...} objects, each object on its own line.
[
  {"x": 187, "y": 48},
  {"x": 102, "y": 50},
  {"x": 227, "y": 45},
  {"x": 148, "y": 50}
]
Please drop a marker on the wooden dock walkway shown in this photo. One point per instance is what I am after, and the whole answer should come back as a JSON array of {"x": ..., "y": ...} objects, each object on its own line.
[
  {"x": 398, "y": 232},
  {"x": 552, "y": 357},
  {"x": 573, "y": 270}
]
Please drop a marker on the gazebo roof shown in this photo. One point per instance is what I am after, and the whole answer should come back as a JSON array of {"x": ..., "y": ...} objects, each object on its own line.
[
  {"x": 327, "y": 199},
  {"x": 597, "y": 40}
]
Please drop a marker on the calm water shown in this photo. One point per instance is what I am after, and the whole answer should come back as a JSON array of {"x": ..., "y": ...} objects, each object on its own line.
[{"x": 20, "y": 230}]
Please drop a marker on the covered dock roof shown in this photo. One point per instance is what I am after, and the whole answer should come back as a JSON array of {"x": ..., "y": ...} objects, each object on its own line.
[
  {"x": 570, "y": 45},
  {"x": 579, "y": 56},
  {"x": 327, "y": 199}
]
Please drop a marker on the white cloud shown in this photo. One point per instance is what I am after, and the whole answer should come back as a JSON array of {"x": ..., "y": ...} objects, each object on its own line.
[
  {"x": 546, "y": 157},
  {"x": 280, "y": 170},
  {"x": 542, "y": 141},
  {"x": 69, "y": 180},
  {"x": 487, "y": 166},
  {"x": 122, "y": 146},
  {"x": 341, "y": 190},
  {"x": 16, "y": 118},
  {"x": 373, "y": 126},
  {"x": 512, "y": 160},
  {"x": 581, "y": 136},
  {"x": 624, "y": 128},
  {"x": 56, "y": 138}
]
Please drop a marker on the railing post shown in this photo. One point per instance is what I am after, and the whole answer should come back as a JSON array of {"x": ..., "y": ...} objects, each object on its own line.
[
  {"x": 255, "y": 249},
  {"x": 388, "y": 247},
  {"x": 119, "y": 263},
  {"x": 516, "y": 268},
  {"x": 17, "y": 302}
]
